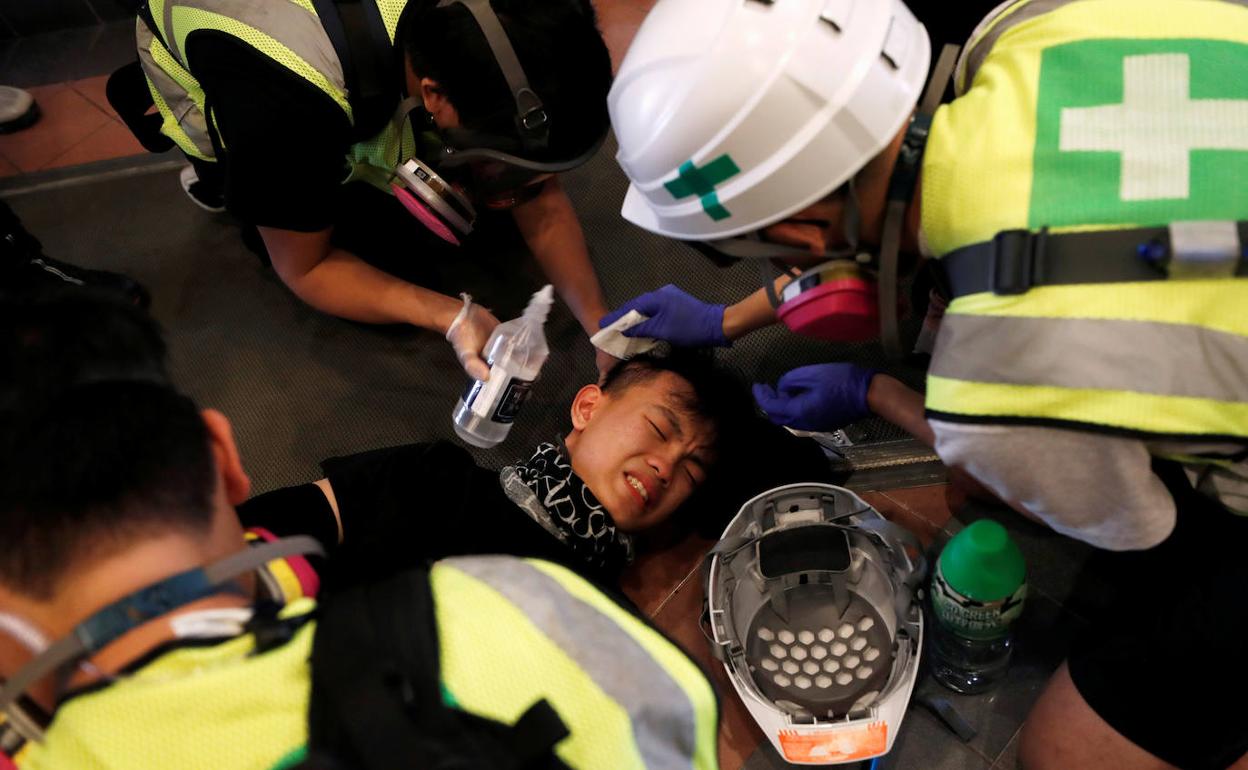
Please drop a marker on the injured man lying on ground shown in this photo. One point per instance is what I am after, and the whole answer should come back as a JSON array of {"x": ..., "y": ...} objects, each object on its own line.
[{"x": 662, "y": 445}]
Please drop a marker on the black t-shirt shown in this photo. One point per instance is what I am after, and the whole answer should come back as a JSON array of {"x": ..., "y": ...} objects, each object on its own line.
[
  {"x": 285, "y": 141},
  {"x": 406, "y": 506}
]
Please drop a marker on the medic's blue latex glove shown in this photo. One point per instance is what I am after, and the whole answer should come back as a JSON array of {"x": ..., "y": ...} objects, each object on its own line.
[
  {"x": 675, "y": 316},
  {"x": 817, "y": 398}
]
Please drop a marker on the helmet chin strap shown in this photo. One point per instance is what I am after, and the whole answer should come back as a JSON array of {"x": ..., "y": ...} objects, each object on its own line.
[
  {"x": 125, "y": 614},
  {"x": 900, "y": 192}
]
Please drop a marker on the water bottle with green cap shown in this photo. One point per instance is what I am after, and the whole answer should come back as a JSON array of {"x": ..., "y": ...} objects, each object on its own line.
[{"x": 977, "y": 592}]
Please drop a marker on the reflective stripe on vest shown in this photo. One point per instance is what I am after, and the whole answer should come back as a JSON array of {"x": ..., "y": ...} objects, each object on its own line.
[
  {"x": 1095, "y": 114},
  {"x": 1094, "y": 354},
  {"x": 287, "y": 31},
  {"x": 177, "y": 95},
  {"x": 630, "y": 698}
]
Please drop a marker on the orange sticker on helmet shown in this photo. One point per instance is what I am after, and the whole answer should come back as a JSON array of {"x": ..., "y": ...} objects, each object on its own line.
[{"x": 835, "y": 744}]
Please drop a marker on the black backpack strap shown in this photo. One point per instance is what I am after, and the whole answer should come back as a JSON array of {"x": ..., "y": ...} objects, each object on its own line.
[
  {"x": 376, "y": 691},
  {"x": 358, "y": 33},
  {"x": 374, "y": 660}
]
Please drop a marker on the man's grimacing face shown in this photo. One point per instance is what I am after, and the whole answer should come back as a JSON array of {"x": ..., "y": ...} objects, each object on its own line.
[{"x": 639, "y": 450}]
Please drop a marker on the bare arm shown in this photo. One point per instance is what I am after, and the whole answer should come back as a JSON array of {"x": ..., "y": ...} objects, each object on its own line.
[
  {"x": 891, "y": 399},
  {"x": 341, "y": 284},
  {"x": 753, "y": 312},
  {"x": 894, "y": 401},
  {"x": 549, "y": 226}
]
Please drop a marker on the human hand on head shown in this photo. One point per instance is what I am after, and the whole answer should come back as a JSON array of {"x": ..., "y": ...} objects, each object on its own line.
[
  {"x": 675, "y": 316},
  {"x": 468, "y": 334},
  {"x": 817, "y": 398}
]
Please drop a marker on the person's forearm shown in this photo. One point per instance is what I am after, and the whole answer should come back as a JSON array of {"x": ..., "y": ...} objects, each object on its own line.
[
  {"x": 753, "y": 312},
  {"x": 348, "y": 287},
  {"x": 550, "y": 227},
  {"x": 889, "y": 398},
  {"x": 338, "y": 282}
]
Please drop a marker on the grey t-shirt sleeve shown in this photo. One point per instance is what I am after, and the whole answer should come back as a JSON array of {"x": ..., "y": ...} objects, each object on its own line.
[{"x": 1096, "y": 488}]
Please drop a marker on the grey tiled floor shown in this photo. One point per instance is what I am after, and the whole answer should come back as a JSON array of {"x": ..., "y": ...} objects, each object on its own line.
[{"x": 68, "y": 54}]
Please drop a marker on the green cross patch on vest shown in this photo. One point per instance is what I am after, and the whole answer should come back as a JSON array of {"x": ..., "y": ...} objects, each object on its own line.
[
  {"x": 1141, "y": 131},
  {"x": 1096, "y": 116}
]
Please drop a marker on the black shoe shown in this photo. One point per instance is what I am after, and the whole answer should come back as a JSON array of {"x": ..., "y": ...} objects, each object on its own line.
[
  {"x": 24, "y": 269},
  {"x": 43, "y": 272}
]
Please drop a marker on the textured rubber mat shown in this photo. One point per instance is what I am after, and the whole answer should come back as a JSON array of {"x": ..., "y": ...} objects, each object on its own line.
[{"x": 300, "y": 386}]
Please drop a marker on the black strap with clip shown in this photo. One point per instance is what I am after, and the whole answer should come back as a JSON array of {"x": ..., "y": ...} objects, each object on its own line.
[{"x": 1015, "y": 261}]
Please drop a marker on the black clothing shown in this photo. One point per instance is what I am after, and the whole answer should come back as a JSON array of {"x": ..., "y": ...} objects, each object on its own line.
[
  {"x": 1165, "y": 664},
  {"x": 25, "y": 271},
  {"x": 405, "y": 506},
  {"x": 282, "y": 141},
  {"x": 377, "y": 696},
  {"x": 545, "y": 486}
]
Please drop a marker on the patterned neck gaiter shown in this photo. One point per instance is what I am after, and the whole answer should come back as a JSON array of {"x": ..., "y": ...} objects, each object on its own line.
[{"x": 555, "y": 497}]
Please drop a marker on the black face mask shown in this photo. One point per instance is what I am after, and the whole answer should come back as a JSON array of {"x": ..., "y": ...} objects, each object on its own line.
[{"x": 545, "y": 486}]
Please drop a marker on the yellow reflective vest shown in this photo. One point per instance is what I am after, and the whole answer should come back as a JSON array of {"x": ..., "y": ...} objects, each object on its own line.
[
  {"x": 1095, "y": 115},
  {"x": 287, "y": 31},
  {"x": 510, "y": 632}
]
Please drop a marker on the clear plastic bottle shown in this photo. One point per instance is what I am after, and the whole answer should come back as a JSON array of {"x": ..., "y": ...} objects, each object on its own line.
[
  {"x": 515, "y": 353},
  {"x": 977, "y": 592}
]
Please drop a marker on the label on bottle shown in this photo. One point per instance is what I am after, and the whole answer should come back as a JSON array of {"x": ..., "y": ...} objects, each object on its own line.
[
  {"x": 498, "y": 398},
  {"x": 974, "y": 619},
  {"x": 514, "y": 396}
]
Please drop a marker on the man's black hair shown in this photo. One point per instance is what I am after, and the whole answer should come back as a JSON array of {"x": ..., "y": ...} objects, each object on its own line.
[
  {"x": 750, "y": 454},
  {"x": 718, "y": 396},
  {"x": 95, "y": 446},
  {"x": 559, "y": 47}
]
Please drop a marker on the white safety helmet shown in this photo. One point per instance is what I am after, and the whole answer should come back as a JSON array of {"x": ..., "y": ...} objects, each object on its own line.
[
  {"x": 812, "y": 606},
  {"x": 734, "y": 114}
]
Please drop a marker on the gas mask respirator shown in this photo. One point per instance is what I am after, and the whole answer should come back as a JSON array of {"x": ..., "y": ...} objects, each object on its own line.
[{"x": 465, "y": 168}]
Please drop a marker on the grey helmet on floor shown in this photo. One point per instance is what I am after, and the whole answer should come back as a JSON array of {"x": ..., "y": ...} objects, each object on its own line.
[{"x": 812, "y": 606}]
